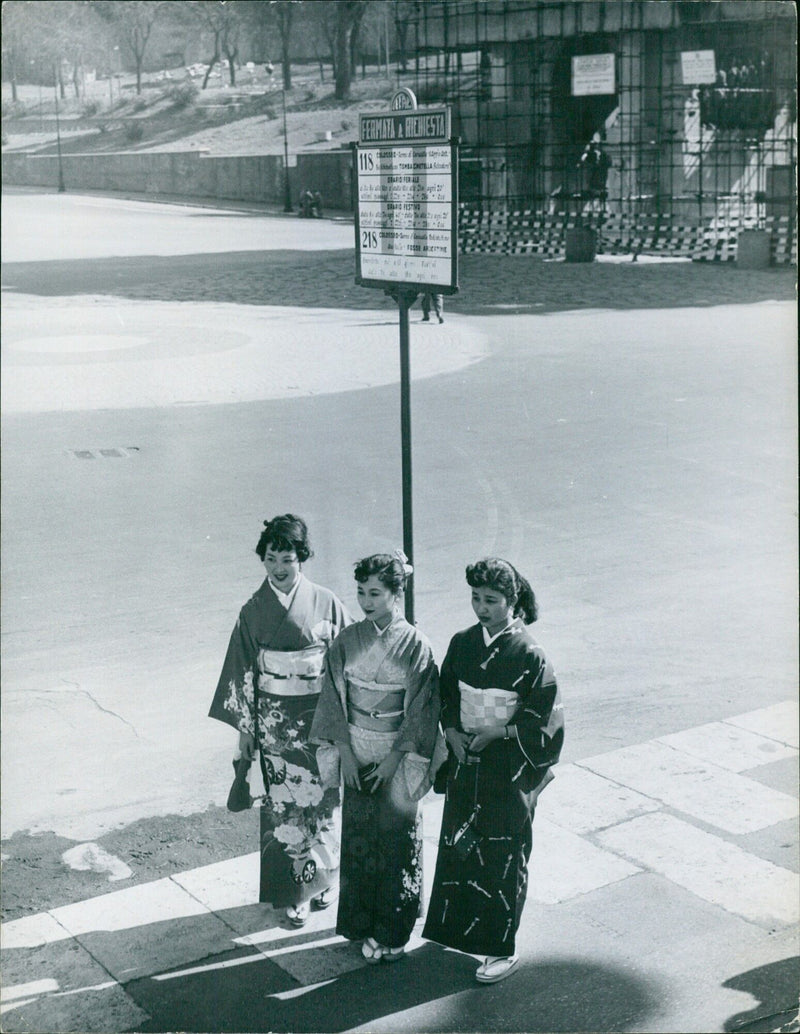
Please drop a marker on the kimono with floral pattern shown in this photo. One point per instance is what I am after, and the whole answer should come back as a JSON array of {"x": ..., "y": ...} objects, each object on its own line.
[
  {"x": 380, "y": 693},
  {"x": 277, "y": 655}
]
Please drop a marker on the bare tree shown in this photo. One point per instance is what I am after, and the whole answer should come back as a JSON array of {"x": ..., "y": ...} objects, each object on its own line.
[
  {"x": 323, "y": 22},
  {"x": 16, "y": 28},
  {"x": 348, "y": 19},
  {"x": 63, "y": 36},
  {"x": 405, "y": 16},
  {"x": 283, "y": 13},
  {"x": 222, "y": 20},
  {"x": 132, "y": 22}
]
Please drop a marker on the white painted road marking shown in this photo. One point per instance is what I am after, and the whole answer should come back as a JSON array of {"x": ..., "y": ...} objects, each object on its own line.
[
  {"x": 724, "y": 799},
  {"x": 566, "y": 865},
  {"x": 583, "y": 802},
  {"x": 729, "y": 746},
  {"x": 709, "y": 867},
  {"x": 779, "y": 722}
]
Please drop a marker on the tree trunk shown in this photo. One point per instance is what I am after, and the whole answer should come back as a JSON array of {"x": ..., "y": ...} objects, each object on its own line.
[
  {"x": 343, "y": 67},
  {"x": 232, "y": 68},
  {"x": 210, "y": 68},
  {"x": 139, "y": 58},
  {"x": 402, "y": 37}
]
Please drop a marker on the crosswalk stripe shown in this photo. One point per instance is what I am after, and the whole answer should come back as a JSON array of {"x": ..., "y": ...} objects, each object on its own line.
[
  {"x": 709, "y": 867},
  {"x": 730, "y": 801},
  {"x": 697, "y": 771},
  {"x": 566, "y": 865},
  {"x": 582, "y": 801},
  {"x": 779, "y": 722},
  {"x": 730, "y": 746}
]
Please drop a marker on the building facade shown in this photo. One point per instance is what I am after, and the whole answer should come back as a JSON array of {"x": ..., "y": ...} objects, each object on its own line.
[{"x": 637, "y": 116}]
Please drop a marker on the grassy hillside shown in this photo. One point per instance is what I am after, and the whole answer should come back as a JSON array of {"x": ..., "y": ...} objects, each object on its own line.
[{"x": 174, "y": 114}]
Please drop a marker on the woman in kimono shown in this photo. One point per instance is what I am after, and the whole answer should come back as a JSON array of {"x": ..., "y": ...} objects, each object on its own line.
[
  {"x": 503, "y": 721},
  {"x": 268, "y": 690},
  {"x": 379, "y": 706}
]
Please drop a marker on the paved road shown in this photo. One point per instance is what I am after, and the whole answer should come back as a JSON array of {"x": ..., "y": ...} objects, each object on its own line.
[{"x": 626, "y": 433}]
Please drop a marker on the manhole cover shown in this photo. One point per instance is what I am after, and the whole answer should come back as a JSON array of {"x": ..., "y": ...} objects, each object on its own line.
[{"x": 118, "y": 452}]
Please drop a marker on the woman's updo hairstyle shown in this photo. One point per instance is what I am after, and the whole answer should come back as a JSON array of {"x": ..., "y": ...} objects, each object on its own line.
[
  {"x": 285, "y": 534},
  {"x": 497, "y": 574},
  {"x": 391, "y": 571}
]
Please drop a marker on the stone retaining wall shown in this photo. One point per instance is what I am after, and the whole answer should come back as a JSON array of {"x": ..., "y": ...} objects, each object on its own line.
[{"x": 188, "y": 174}]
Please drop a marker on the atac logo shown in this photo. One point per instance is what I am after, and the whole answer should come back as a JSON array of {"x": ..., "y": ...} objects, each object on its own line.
[{"x": 404, "y": 100}]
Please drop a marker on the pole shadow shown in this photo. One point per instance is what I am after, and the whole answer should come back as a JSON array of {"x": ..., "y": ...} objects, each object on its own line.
[{"x": 776, "y": 988}]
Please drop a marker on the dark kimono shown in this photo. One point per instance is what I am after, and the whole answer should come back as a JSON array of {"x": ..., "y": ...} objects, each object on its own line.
[
  {"x": 276, "y": 655},
  {"x": 481, "y": 878},
  {"x": 380, "y": 694}
]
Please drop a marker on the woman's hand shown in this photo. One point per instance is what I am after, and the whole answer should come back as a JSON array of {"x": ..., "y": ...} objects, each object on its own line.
[
  {"x": 458, "y": 743},
  {"x": 487, "y": 736},
  {"x": 385, "y": 771},
  {"x": 349, "y": 766},
  {"x": 247, "y": 745}
]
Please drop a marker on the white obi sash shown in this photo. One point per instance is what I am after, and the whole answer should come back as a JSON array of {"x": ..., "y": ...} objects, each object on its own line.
[
  {"x": 291, "y": 673},
  {"x": 486, "y": 708}
]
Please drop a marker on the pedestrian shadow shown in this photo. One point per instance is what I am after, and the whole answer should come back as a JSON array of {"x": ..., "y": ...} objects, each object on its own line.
[
  {"x": 298, "y": 982},
  {"x": 433, "y": 989},
  {"x": 775, "y": 986}
]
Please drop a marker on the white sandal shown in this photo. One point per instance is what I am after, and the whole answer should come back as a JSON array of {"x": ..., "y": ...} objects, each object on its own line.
[
  {"x": 496, "y": 968},
  {"x": 372, "y": 951},
  {"x": 298, "y": 914}
]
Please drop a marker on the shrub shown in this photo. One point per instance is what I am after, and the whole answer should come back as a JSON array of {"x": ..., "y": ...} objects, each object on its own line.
[
  {"x": 139, "y": 104},
  {"x": 134, "y": 131},
  {"x": 182, "y": 94},
  {"x": 13, "y": 108},
  {"x": 91, "y": 108}
]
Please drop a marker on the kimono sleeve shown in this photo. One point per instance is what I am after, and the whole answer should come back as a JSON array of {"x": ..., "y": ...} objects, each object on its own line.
[
  {"x": 330, "y": 717},
  {"x": 449, "y": 692},
  {"x": 417, "y": 734},
  {"x": 540, "y": 720},
  {"x": 233, "y": 701}
]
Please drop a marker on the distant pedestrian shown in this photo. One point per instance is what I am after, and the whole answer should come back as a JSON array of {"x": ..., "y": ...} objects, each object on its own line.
[
  {"x": 503, "y": 721},
  {"x": 595, "y": 164},
  {"x": 379, "y": 707},
  {"x": 268, "y": 690},
  {"x": 434, "y": 301}
]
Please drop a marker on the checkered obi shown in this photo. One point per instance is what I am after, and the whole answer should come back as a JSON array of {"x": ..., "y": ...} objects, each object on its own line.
[
  {"x": 486, "y": 708},
  {"x": 291, "y": 673},
  {"x": 379, "y": 707}
]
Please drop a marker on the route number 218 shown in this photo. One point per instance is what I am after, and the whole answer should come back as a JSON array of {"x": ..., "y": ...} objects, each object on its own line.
[{"x": 369, "y": 239}]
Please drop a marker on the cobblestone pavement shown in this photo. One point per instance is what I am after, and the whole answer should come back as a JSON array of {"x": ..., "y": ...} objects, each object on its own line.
[{"x": 490, "y": 284}]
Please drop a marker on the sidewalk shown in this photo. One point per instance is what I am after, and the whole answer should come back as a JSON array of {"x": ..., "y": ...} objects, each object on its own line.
[{"x": 643, "y": 857}]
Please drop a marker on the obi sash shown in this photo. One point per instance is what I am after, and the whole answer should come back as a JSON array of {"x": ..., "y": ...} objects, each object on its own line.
[
  {"x": 375, "y": 706},
  {"x": 291, "y": 673},
  {"x": 486, "y": 708}
]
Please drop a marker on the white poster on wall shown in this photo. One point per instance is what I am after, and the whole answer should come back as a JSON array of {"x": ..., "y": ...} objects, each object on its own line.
[
  {"x": 593, "y": 74},
  {"x": 698, "y": 66}
]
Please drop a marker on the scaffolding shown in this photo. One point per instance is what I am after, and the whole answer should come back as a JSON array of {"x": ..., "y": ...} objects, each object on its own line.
[{"x": 665, "y": 125}]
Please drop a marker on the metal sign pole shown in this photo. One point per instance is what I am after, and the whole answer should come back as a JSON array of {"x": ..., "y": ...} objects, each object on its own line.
[
  {"x": 405, "y": 299},
  {"x": 405, "y": 203}
]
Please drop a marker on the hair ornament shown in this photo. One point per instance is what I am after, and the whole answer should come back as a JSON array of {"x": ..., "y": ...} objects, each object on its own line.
[{"x": 400, "y": 556}]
